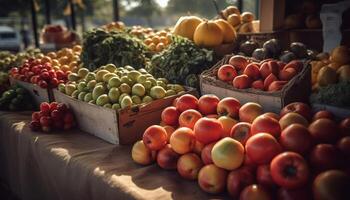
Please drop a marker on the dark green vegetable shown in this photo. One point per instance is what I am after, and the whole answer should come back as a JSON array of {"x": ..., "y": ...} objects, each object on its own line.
[
  {"x": 181, "y": 62},
  {"x": 120, "y": 48},
  {"x": 334, "y": 94},
  {"x": 16, "y": 99}
]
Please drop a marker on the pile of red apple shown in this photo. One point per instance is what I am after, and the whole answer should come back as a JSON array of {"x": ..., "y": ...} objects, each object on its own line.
[
  {"x": 41, "y": 73},
  {"x": 268, "y": 75},
  {"x": 227, "y": 146},
  {"x": 52, "y": 116}
]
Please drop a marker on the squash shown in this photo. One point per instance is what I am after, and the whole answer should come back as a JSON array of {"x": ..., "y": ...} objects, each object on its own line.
[
  {"x": 228, "y": 30},
  {"x": 340, "y": 55},
  {"x": 234, "y": 20},
  {"x": 208, "y": 34},
  {"x": 186, "y": 26}
]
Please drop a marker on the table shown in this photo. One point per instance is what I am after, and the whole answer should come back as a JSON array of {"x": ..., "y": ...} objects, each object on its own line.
[{"x": 76, "y": 165}]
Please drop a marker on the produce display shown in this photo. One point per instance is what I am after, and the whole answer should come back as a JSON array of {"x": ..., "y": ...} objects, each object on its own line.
[
  {"x": 59, "y": 35},
  {"x": 9, "y": 60},
  {"x": 268, "y": 75},
  {"x": 157, "y": 42},
  {"x": 52, "y": 116},
  {"x": 120, "y": 48},
  {"x": 16, "y": 98},
  {"x": 304, "y": 15},
  {"x": 273, "y": 49},
  {"x": 66, "y": 59},
  {"x": 330, "y": 76},
  {"x": 114, "y": 26},
  {"x": 4, "y": 81},
  {"x": 227, "y": 146},
  {"x": 242, "y": 22},
  {"x": 116, "y": 88},
  {"x": 181, "y": 62},
  {"x": 39, "y": 72}
]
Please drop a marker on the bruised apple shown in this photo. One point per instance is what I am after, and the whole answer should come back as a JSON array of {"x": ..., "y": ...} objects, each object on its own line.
[
  {"x": 238, "y": 179},
  {"x": 292, "y": 118},
  {"x": 186, "y": 102},
  {"x": 249, "y": 111},
  {"x": 167, "y": 158},
  {"x": 229, "y": 106},
  {"x": 228, "y": 154},
  {"x": 227, "y": 124},
  {"x": 265, "y": 124},
  {"x": 188, "y": 166},
  {"x": 182, "y": 140},
  {"x": 141, "y": 154},
  {"x": 170, "y": 116},
  {"x": 212, "y": 179},
  {"x": 208, "y": 130},
  {"x": 241, "y": 132},
  {"x": 188, "y": 118},
  {"x": 155, "y": 137},
  {"x": 206, "y": 153},
  {"x": 207, "y": 104}
]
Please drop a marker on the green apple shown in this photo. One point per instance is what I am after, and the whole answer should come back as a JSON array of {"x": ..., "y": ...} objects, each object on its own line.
[
  {"x": 138, "y": 89},
  {"x": 129, "y": 68},
  {"x": 69, "y": 89},
  {"x": 147, "y": 99},
  {"x": 98, "y": 91},
  {"x": 118, "y": 73},
  {"x": 126, "y": 102},
  {"x": 136, "y": 99},
  {"x": 143, "y": 71},
  {"x": 114, "y": 82},
  {"x": 102, "y": 100},
  {"x": 82, "y": 72},
  {"x": 107, "y": 105},
  {"x": 81, "y": 96},
  {"x": 141, "y": 79},
  {"x": 91, "y": 85},
  {"x": 90, "y": 76},
  {"x": 170, "y": 93},
  {"x": 75, "y": 94},
  {"x": 100, "y": 74},
  {"x": 161, "y": 84},
  {"x": 114, "y": 94},
  {"x": 122, "y": 96},
  {"x": 153, "y": 81},
  {"x": 126, "y": 79},
  {"x": 73, "y": 77},
  {"x": 125, "y": 88},
  {"x": 178, "y": 88},
  {"x": 116, "y": 106},
  {"x": 110, "y": 67},
  {"x": 164, "y": 80},
  {"x": 157, "y": 92},
  {"x": 81, "y": 86},
  {"x": 108, "y": 76},
  {"x": 88, "y": 97},
  {"x": 62, "y": 87},
  {"x": 147, "y": 85},
  {"x": 133, "y": 75}
]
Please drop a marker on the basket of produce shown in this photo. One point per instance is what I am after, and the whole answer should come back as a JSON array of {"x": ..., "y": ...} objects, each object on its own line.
[
  {"x": 271, "y": 83},
  {"x": 124, "y": 101}
]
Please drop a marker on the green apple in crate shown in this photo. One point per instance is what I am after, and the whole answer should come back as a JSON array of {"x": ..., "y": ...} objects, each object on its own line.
[{"x": 117, "y": 87}]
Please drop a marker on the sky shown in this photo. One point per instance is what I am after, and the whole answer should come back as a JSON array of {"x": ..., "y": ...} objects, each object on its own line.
[{"x": 162, "y": 3}]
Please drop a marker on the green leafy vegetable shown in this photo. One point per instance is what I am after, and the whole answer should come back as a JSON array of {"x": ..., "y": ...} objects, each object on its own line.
[{"x": 334, "y": 94}]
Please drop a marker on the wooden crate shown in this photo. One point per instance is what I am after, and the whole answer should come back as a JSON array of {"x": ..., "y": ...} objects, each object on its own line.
[
  {"x": 297, "y": 89},
  {"x": 38, "y": 94},
  {"x": 117, "y": 127}
]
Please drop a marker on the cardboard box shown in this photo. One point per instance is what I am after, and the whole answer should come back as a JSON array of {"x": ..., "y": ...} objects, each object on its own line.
[
  {"x": 125, "y": 126},
  {"x": 38, "y": 94},
  {"x": 297, "y": 89}
]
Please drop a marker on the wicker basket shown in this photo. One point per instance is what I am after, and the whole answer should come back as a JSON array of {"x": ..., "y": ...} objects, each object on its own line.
[{"x": 297, "y": 89}]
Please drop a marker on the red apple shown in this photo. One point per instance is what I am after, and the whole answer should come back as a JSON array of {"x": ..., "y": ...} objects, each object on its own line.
[
  {"x": 198, "y": 147},
  {"x": 242, "y": 82},
  {"x": 239, "y": 62},
  {"x": 227, "y": 73},
  {"x": 241, "y": 132},
  {"x": 249, "y": 111},
  {"x": 255, "y": 192},
  {"x": 323, "y": 114},
  {"x": 167, "y": 158},
  {"x": 228, "y": 154},
  {"x": 186, "y": 102},
  {"x": 273, "y": 115},
  {"x": 155, "y": 137},
  {"x": 188, "y": 118},
  {"x": 264, "y": 124},
  {"x": 324, "y": 131},
  {"x": 270, "y": 67},
  {"x": 297, "y": 107},
  {"x": 252, "y": 70},
  {"x": 267, "y": 82},
  {"x": 212, "y": 179},
  {"x": 141, "y": 154},
  {"x": 287, "y": 74},
  {"x": 188, "y": 166},
  {"x": 263, "y": 176},
  {"x": 207, "y": 104},
  {"x": 262, "y": 148},
  {"x": 182, "y": 140},
  {"x": 344, "y": 127},
  {"x": 227, "y": 124},
  {"x": 258, "y": 84},
  {"x": 325, "y": 156},
  {"x": 229, "y": 106},
  {"x": 276, "y": 86},
  {"x": 294, "y": 194},
  {"x": 238, "y": 179},
  {"x": 170, "y": 116},
  {"x": 344, "y": 146},
  {"x": 295, "y": 64},
  {"x": 169, "y": 131},
  {"x": 206, "y": 153},
  {"x": 296, "y": 138},
  {"x": 281, "y": 64},
  {"x": 208, "y": 130},
  {"x": 292, "y": 118}
]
